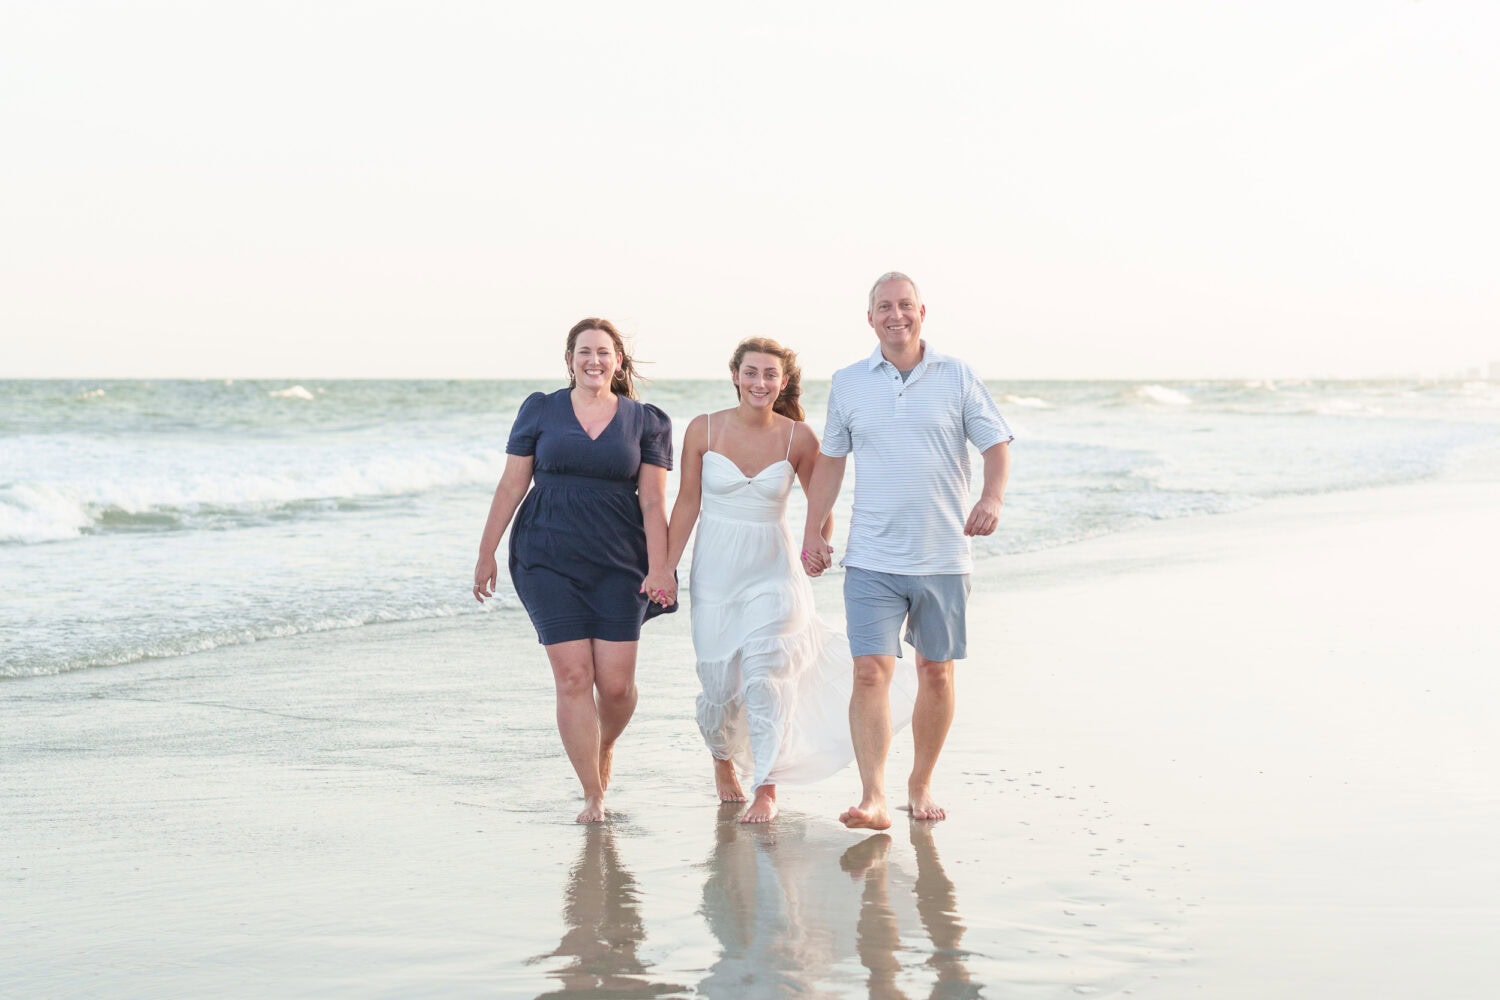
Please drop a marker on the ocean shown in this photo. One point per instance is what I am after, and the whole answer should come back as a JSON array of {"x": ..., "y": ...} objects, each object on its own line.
[{"x": 149, "y": 519}]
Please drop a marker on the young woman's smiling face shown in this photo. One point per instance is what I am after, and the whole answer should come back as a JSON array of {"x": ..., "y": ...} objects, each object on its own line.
[{"x": 760, "y": 378}]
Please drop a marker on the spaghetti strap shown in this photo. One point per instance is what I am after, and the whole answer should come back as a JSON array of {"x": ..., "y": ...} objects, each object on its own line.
[{"x": 789, "y": 439}]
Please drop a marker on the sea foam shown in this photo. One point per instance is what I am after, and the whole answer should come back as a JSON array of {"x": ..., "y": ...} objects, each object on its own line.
[
  {"x": 1160, "y": 395},
  {"x": 1027, "y": 402},
  {"x": 35, "y": 512},
  {"x": 114, "y": 654},
  {"x": 32, "y": 512}
]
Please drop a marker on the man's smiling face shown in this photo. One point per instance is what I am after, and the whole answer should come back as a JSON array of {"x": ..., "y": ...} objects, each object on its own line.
[{"x": 896, "y": 316}]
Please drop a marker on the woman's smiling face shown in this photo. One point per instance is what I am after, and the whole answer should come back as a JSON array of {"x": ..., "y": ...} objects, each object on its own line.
[
  {"x": 760, "y": 379},
  {"x": 593, "y": 360}
]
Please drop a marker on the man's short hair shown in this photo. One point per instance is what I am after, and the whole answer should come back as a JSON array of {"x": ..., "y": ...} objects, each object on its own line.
[{"x": 887, "y": 277}]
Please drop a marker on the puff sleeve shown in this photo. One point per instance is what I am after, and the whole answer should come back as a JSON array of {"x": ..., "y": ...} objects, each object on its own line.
[
  {"x": 656, "y": 437},
  {"x": 527, "y": 427}
]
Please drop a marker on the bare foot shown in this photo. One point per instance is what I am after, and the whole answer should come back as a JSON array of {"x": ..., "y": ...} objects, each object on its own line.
[
  {"x": 919, "y": 799},
  {"x": 868, "y": 815},
  {"x": 727, "y": 782},
  {"x": 593, "y": 810},
  {"x": 606, "y": 765},
  {"x": 763, "y": 809},
  {"x": 865, "y": 855}
]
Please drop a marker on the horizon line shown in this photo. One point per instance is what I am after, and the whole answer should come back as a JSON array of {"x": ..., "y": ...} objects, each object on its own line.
[{"x": 1472, "y": 375}]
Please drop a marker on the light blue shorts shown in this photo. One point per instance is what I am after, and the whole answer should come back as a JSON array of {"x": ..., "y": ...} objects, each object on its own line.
[{"x": 932, "y": 606}]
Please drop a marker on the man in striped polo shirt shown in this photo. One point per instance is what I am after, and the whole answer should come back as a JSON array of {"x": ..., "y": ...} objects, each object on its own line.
[{"x": 908, "y": 413}]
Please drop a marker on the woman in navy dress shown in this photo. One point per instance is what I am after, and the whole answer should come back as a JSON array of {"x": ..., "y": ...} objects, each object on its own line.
[{"x": 586, "y": 537}]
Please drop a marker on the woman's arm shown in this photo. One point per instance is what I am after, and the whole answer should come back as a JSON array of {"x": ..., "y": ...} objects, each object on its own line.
[
  {"x": 651, "y": 488},
  {"x": 514, "y": 482},
  {"x": 804, "y": 460},
  {"x": 684, "y": 511},
  {"x": 689, "y": 492}
]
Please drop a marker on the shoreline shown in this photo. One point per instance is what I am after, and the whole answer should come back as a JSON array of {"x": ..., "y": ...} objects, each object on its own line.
[
  {"x": 1003, "y": 571},
  {"x": 1218, "y": 754}
]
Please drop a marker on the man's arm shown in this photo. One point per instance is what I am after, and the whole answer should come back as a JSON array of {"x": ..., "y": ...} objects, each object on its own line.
[
  {"x": 986, "y": 513},
  {"x": 827, "y": 477}
]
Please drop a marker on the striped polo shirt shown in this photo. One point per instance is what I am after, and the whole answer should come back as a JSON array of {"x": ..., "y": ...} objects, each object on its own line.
[{"x": 911, "y": 459}]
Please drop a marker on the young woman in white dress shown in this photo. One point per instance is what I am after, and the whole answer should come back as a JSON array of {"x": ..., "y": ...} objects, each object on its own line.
[{"x": 775, "y": 677}]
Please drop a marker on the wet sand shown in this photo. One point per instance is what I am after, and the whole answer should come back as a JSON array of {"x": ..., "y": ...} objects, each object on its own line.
[{"x": 1246, "y": 755}]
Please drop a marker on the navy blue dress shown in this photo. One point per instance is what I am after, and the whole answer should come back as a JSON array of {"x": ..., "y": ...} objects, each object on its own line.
[{"x": 578, "y": 543}]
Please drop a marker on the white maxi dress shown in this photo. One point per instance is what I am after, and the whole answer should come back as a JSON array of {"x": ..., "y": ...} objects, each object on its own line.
[{"x": 776, "y": 678}]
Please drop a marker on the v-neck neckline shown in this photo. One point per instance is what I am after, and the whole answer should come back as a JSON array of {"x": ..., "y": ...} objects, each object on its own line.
[{"x": 579, "y": 423}]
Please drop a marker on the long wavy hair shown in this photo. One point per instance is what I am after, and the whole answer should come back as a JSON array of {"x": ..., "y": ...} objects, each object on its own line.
[
  {"x": 623, "y": 384},
  {"x": 789, "y": 402}
]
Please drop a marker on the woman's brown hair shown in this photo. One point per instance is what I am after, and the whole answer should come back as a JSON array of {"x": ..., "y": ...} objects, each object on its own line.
[
  {"x": 623, "y": 384},
  {"x": 788, "y": 403}
]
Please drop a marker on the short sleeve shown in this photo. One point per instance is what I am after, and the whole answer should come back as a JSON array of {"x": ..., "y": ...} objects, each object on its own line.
[
  {"x": 983, "y": 424},
  {"x": 527, "y": 427},
  {"x": 656, "y": 437},
  {"x": 837, "y": 441}
]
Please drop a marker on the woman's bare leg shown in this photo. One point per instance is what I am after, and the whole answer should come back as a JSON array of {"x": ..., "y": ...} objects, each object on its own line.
[
  {"x": 763, "y": 809},
  {"x": 615, "y": 692},
  {"x": 726, "y": 782},
  {"x": 578, "y": 719}
]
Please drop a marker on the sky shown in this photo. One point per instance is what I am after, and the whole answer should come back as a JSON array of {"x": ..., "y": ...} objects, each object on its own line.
[{"x": 1154, "y": 189}]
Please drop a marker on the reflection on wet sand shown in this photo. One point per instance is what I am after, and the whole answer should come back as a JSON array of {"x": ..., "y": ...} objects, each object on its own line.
[
  {"x": 937, "y": 906},
  {"x": 797, "y": 912},
  {"x": 602, "y": 912},
  {"x": 879, "y": 929}
]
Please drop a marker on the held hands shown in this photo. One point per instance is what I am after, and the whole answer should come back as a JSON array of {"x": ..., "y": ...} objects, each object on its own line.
[
  {"x": 484, "y": 578},
  {"x": 817, "y": 554},
  {"x": 984, "y": 517},
  {"x": 660, "y": 588}
]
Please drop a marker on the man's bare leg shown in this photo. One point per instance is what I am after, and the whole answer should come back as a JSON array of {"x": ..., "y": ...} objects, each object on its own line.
[
  {"x": 578, "y": 720},
  {"x": 726, "y": 782},
  {"x": 763, "y": 809},
  {"x": 616, "y": 695},
  {"x": 870, "y": 726},
  {"x": 931, "y": 717},
  {"x": 937, "y": 907},
  {"x": 877, "y": 935}
]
